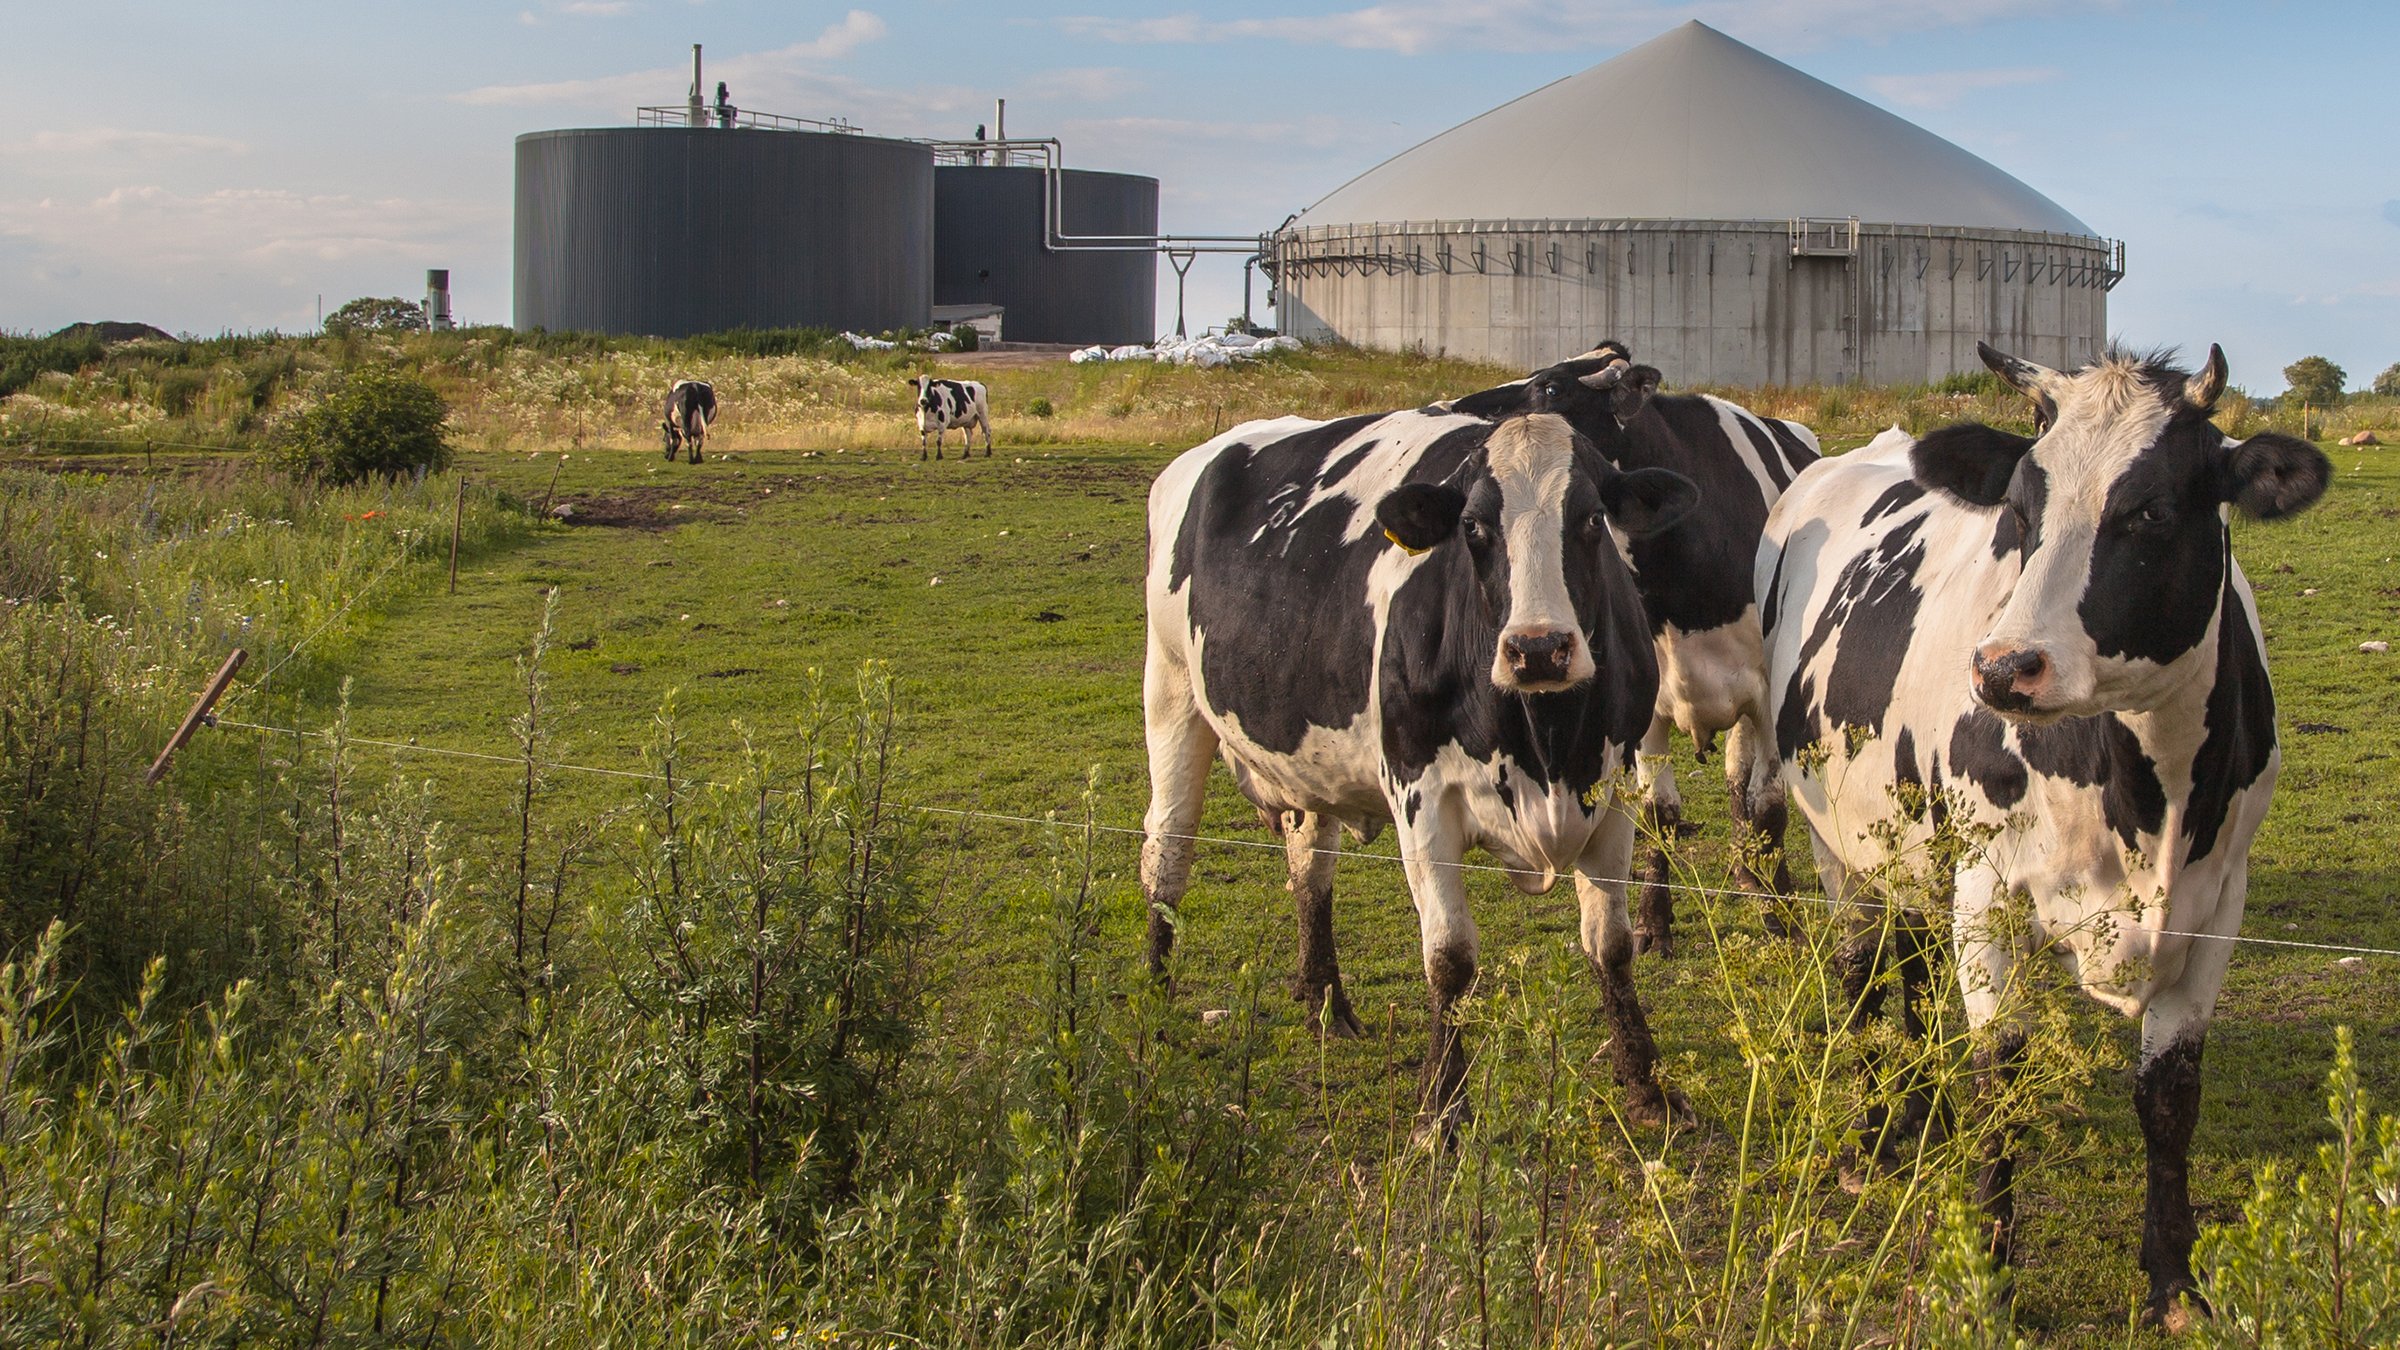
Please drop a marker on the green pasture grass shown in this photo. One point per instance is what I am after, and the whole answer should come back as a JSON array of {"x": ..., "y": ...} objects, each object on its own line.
[{"x": 1005, "y": 594}]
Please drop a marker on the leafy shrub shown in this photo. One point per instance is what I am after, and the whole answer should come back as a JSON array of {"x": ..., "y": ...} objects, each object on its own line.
[
  {"x": 373, "y": 423},
  {"x": 1979, "y": 383},
  {"x": 2388, "y": 383},
  {"x": 964, "y": 338},
  {"x": 2316, "y": 1258},
  {"x": 1040, "y": 407},
  {"x": 373, "y": 314}
]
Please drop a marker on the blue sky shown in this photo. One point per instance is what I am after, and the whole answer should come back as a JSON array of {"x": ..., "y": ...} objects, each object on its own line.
[{"x": 217, "y": 167}]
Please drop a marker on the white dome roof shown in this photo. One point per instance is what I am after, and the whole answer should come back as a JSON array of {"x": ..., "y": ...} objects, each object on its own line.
[{"x": 1691, "y": 125}]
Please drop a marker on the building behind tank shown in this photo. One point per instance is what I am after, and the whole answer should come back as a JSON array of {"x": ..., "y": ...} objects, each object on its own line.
[{"x": 1732, "y": 219}]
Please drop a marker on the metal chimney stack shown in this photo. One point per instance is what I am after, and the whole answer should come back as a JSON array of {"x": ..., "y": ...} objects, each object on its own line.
[
  {"x": 1000, "y": 131},
  {"x": 437, "y": 299},
  {"x": 699, "y": 103}
]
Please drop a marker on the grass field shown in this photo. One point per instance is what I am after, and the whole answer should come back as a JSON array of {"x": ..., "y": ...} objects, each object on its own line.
[{"x": 1005, "y": 595}]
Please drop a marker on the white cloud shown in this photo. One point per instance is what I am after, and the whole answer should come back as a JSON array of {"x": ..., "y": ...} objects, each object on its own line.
[
  {"x": 150, "y": 228},
  {"x": 594, "y": 9},
  {"x": 1940, "y": 89},
  {"x": 1080, "y": 84},
  {"x": 76, "y": 148},
  {"x": 660, "y": 84},
  {"x": 1414, "y": 27}
]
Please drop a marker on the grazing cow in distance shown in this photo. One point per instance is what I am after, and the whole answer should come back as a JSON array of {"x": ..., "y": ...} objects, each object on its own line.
[
  {"x": 943, "y": 404},
  {"x": 1420, "y": 618},
  {"x": 691, "y": 406},
  {"x": 1695, "y": 581},
  {"x": 2048, "y": 640}
]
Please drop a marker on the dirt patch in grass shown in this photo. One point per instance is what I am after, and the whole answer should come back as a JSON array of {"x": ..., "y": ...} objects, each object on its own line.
[{"x": 647, "y": 508}]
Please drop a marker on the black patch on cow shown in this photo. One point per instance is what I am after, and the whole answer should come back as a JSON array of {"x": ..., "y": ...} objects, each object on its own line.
[
  {"x": 1904, "y": 758},
  {"x": 2019, "y": 529},
  {"x": 2158, "y": 559},
  {"x": 1796, "y": 719},
  {"x": 1979, "y": 753},
  {"x": 1897, "y": 497},
  {"x": 2101, "y": 752},
  {"x": 1796, "y": 451},
  {"x": 2241, "y": 728},
  {"x": 1340, "y": 468},
  {"x": 1969, "y": 462},
  {"x": 1872, "y": 609},
  {"x": 1767, "y": 452},
  {"x": 1307, "y": 664}
]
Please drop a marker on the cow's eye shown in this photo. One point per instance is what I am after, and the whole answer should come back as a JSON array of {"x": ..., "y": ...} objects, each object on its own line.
[
  {"x": 1595, "y": 527},
  {"x": 2151, "y": 516},
  {"x": 1475, "y": 530}
]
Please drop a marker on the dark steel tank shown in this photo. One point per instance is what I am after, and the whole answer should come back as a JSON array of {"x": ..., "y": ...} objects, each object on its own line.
[
  {"x": 672, "y": 231},
  {"x": 987, "y": 249}
]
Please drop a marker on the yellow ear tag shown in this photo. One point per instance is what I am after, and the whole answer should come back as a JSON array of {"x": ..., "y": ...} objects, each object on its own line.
[{"x": 1412, "y": 552}]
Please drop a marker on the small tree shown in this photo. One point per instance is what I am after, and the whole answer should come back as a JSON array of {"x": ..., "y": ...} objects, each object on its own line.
[
  {"x": 373, "y": 314},
  {"x": 2315, "y": 380},
  {"x": 374, "y": 422},
  {"x": 2388, "y": 383}
]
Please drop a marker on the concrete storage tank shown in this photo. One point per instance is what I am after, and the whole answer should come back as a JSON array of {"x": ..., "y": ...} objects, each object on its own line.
[
  {"x": 988, "y": 228},
  {"x": 1735, "y": 221},
  {"x": 671, "y": 231}
]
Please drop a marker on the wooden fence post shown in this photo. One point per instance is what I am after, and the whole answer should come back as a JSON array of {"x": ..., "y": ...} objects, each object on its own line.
[{"x": 198, "y": 714}]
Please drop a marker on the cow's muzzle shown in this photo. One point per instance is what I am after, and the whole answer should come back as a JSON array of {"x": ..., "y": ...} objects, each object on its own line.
[
  {"x": 2012, "y": 679},
  {"x": 1541, "y": 661}
]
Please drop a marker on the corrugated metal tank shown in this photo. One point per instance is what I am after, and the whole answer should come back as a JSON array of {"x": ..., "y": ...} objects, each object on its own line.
[
  {"x": 1709, "y": 302},
  {"x": 671, "y": 231},
  {"x": 987, "y": 249}
]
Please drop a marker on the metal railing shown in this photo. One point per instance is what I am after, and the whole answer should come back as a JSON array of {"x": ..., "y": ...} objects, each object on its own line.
[{"x": 743, "y": 119}]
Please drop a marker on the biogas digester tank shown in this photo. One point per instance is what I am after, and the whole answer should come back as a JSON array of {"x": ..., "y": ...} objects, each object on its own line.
[
  {"x": 672, "y": 231},
  {"x": 988, "y": 226}
]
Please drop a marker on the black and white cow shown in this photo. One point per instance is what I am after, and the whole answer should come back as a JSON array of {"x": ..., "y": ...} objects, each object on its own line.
[
  {"x": 943, "y": 404},
  {"x": 1695, "y": 581},
  {"x": 2051, "y": 637},
  {"x": 691, "y": 406},
  {"x": 1417, "y": 617}
]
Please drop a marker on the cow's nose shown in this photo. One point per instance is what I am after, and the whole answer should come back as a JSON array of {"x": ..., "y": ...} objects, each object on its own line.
[
  {"x": 2011, "y": 676},
  {"x": 1540, "y": 657}
]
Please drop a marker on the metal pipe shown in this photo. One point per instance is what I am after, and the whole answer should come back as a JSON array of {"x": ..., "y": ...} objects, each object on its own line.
[
  {"x": 698, "y": 115},
  {"x": 1000, "y": 130}
]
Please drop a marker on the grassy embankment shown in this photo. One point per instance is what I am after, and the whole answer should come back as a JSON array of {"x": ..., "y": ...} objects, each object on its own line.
[{"x": 1004, "y": 596}]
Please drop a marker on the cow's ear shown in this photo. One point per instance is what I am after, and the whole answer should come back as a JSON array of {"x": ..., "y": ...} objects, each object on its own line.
[
  {"x": 2271, "y": 476},
  {"x": 1970, "y": 461},
  {"x": 1646, "y": 501},
  {"x": 1632, "y": 393},
  {"x": 1506, "y": 401},
  {"x": 1416, "y": 516}
]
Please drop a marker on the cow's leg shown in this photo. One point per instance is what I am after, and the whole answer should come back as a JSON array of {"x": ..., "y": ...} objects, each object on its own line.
[
  {"x": 1311, "y": 845},
  {"x": 1606, "y": 936},
  {"x": 940, "y": 433},
  {"x": 1761, "y": 816},
  {"x": 1181, "y": 744},
  {"x": 1662, "y": 816},
  {"x": 1987, "y": 962},
  {"x": 1432, "y": 846},
  {"x": 2166, "y": 1095},
  {"x": 987, "y": 436}
]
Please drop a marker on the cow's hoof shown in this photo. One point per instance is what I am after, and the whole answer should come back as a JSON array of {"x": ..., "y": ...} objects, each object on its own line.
[
  {"x": 1652, "y": 1108},
  {"x": 1647, "y": 943},
  {"x": 1437, "y": 1131},
  {"x": 1334, "y": 1019},
  {"x": 2177, "y": 1313}
]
